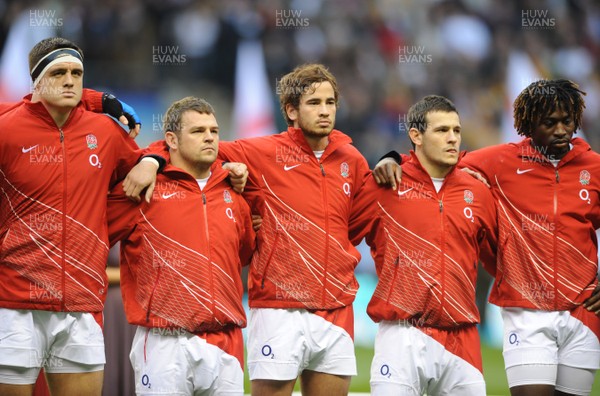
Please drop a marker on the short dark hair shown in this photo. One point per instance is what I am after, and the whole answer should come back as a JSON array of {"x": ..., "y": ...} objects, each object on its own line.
[
  {"x": 48, "y": 45},
  {"x": 172, "y": 121},
  {"x": 541, "y": 98},
  {"x": 417, "y": 114},
  {"x": 298, "y": 82}
]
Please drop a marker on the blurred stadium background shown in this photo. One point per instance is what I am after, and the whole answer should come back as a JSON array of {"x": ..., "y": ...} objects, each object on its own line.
[{"x": 386, "y": 54}]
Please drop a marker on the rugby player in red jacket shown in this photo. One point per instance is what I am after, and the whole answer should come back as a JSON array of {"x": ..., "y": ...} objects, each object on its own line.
[
  {"x": 181, "y": 260},
  {"x": 547, "y": 188},
  {"x": 426, "y": 239},
  {"x": 57, "y": 161}
]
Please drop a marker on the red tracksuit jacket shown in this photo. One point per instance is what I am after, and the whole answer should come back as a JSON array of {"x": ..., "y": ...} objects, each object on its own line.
[
  {"x": 182, "y": 254},
  {"x": 303, "y": 258},
  {"x": 426, "y": 245},
  {"x": 53, "y": 189},
  {"x": 547, "y": 217}
]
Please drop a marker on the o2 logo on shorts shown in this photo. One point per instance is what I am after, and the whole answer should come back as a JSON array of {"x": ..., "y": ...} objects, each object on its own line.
[
  {"x": 146, "y": 381},
  {"x": 385, "y": 370},
  {"x": 266, "y": 351},
  {"x": 513, "y": 339}
]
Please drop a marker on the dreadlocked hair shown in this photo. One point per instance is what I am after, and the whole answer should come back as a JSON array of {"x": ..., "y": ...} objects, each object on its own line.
[{"x": 542, "y": 98}]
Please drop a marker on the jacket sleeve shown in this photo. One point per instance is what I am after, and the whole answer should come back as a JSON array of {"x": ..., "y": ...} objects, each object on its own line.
[
  {"x": 92, "y": 100},
  {"x": 362, "y": 173},
  {"x": 482, "y": 161},
  {"x": 127, "y": 153},
  {"x": 6, "y": 107},
  {"x": 396, "y": 156},
  {"x": 232, "y": 152},
  {"x": 247, "y": 235},
  {"x": 363, "y": 211},
  {"x": 158, "y": 148},
  {"x": 121, "y": 215},
  {"x": 488, "y": 235}
]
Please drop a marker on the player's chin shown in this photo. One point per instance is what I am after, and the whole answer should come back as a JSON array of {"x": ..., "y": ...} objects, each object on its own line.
[
  {"x": 322, "y": 131},
  {"x": 207, "y": 157},
  {"x": 67, "y": 103},
  {"x": 452, "y": 161}
]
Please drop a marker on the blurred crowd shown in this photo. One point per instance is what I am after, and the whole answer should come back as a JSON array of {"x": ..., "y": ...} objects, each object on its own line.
[{"x": 386, "y": 54}]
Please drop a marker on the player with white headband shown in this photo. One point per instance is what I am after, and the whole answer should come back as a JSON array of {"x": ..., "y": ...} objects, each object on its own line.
[{"x": 57, "y": 163}]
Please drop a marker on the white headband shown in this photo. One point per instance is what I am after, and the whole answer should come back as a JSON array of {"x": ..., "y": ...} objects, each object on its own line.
[{"x": 57, "y": 56}]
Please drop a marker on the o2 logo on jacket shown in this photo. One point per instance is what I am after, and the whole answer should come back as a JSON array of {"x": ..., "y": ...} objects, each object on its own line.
[
  {"x": 229, "y": 213},
  {"x": 347, "y": 189},
  {"x": 95, "y": 161}
]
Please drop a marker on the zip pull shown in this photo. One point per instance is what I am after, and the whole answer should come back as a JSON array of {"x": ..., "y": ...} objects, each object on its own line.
[
  {"x": 557, "y": 177},
  {"x": 62, "y": 135},
  {"x": 441, "y": 206},
  {"x": 322, "y": 169},
  {"x": 203, "y": 199}
]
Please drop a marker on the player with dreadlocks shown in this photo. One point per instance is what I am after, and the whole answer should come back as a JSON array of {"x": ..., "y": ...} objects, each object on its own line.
[{"x": 547, "y": 188}]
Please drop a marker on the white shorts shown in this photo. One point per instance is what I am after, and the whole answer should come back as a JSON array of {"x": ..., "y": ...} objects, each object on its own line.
[
  {"x": 60, "y": 342},
  {"x": 549, "y": 340},
  {"x": 170, "y": 363},
  {"x": 284, "y": 342},
  {"x": 408, "y": 361}
]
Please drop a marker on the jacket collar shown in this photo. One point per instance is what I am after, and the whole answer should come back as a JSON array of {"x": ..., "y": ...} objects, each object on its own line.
[
  {"x": 526, "y": 150},
  {"x": 217, "y": 173},
  {"x": 336, "y": 140},
  {"x": 38, "y": 110}
]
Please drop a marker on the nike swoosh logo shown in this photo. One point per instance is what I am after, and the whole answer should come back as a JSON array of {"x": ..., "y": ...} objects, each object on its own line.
[
  {"x": 520, "y": 172},
  {"x": 167, "y": 196},
  {"x": 287, "y": 168},
  {"x": 404, "y": 192},
  {"x": 26, "y": 150}
]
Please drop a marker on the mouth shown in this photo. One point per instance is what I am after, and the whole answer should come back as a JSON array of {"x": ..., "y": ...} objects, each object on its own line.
[
  {"x": 452, "y": 151},
  {"x": 208, "y": 149},
  {"x": 324, "y": 123},
  {"x": 560, "y": 143}
]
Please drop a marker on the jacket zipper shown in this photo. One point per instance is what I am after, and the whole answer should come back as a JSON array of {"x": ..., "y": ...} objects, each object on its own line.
[
  {"x": 210, "y": 268},
  {"x": 557, "y": 177},
  {"x": 64, "y": 222},
  {"x": 326, "y": 255},
  {"x": 443, "y": 257}
]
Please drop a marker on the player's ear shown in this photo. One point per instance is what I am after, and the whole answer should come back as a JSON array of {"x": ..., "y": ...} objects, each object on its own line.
[
  {"x": 415, "y": 136},
  {"x": 291, "y": 112},
  {"x": 172, "y": 140}
]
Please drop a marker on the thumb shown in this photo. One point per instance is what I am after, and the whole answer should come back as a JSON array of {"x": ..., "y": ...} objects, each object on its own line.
[{"x": 149, "y": 191}]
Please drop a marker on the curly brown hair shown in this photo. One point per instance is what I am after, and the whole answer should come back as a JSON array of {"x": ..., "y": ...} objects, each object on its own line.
[{"x": 299, "y": 82}]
